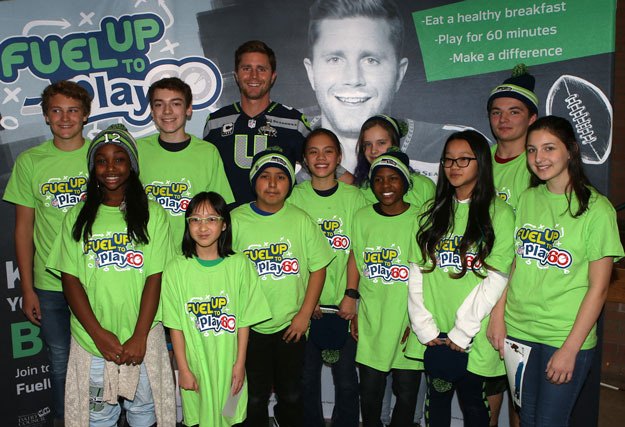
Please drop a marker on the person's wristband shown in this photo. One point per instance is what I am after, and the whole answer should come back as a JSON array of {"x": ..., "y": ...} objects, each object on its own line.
[{"x": 352, "y": 293}]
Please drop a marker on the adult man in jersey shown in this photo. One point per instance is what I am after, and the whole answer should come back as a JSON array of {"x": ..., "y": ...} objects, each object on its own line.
[
  {"x": 255, "y": 122},
  {"x": 512, "y": 107},
  {"x": 355, "y": 66}
]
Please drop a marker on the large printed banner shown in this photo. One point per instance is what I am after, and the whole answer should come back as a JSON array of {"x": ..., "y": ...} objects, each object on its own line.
[{"x": 432, "y": 66}]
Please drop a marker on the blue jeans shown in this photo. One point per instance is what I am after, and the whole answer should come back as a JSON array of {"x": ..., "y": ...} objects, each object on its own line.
[
  {"x": 544, "y": 403},
  {"x": 471, "y": 398},
  {"x": 55, "y": 332},
  {"x": 346, "y": 410},
  {"x": 139, "y": 411}
]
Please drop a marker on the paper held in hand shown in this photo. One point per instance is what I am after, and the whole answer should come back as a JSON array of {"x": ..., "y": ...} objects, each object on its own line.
[{"x": 515, "y": 357}]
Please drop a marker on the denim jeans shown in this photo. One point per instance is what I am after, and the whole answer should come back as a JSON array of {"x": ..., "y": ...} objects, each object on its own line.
[
  {"x": 346, "y": 403},
  {"x": 55, "y": 332},
  {"x": 271, "y": 362},
  {"x": 471, "y": 397},
  {"x": 139, "y": 411},
  {"x": 544, "y": 403},
  {"x": 405, "y": 388}
]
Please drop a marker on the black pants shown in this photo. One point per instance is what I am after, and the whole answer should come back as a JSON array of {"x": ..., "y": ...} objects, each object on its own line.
[
  {"x": 270, "y": 364},
  {"x": 471, "y": 397},
  {"x": 405, "y": 389},
  {"x": 346, "y": 405}
]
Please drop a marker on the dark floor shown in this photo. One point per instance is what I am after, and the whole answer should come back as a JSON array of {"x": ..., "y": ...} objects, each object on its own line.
[{"x": 611, "y": 408}]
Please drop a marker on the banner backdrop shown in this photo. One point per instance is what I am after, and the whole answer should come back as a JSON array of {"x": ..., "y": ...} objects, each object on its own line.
[{"x": 451, "y": 55}]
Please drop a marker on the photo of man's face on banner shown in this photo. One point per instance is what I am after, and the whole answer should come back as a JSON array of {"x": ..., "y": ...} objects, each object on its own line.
[{"x": 343, "y": 61}]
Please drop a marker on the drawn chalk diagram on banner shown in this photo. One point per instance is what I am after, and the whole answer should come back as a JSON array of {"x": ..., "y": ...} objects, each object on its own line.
[
  {"x": 111, "y": 62},
  {"x": 590, "y": 112}
]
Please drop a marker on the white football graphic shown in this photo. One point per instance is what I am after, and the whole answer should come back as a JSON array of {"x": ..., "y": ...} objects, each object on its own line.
[{"x": 588, "y": 110}]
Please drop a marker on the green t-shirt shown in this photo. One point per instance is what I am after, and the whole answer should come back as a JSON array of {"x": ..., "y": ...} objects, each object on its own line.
[
  {"x": 111, "y": 268},
  {"x": 422, "y": 190},
  {"x": 553, "y": 253},
  {"x": 334, "y": 215},
  {"x": 172, "y": 178},
  {"x": 443, "y": 295},
  {"x": 285, "y": 247},
  {"x": 382, "y": 246},
  {"x": 511, "y": 178},
  {"x": 209, "y": 305},
  {"x": 50, "y": 181}
]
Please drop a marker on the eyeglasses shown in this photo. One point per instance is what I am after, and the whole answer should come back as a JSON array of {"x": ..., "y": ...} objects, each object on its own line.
[
  {"x": 196, "y": 220},
  {"x": 461, "y": 162}
]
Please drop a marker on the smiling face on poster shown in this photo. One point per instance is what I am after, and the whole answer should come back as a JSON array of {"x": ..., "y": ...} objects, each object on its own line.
[
  {"x": 354, "y": 64},
  {"x": 355, "y": 71}
]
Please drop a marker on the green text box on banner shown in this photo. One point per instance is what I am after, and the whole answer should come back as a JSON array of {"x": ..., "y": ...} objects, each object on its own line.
[{"x": 477, "y": 36}]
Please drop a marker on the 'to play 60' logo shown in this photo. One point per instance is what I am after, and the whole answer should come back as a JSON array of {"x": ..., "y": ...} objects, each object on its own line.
[
  {"x": 340, "y": 241},
  {"x": 134, "y": 259}
]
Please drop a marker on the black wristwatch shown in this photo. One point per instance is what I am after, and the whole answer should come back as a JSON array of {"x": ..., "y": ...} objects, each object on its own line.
[{"x": 352, "y": 293}]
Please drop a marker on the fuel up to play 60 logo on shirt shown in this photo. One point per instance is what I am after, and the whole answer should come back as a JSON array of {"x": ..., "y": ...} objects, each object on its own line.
[
  {"x": 378, "y": 264},
  {"x": 115, "y": 250},
  {"x": 210, "y": 314},
  {"x": 541, "y": 244},
  {"x": 273, "y": 260},
  {"x": 64, "y": 193}
]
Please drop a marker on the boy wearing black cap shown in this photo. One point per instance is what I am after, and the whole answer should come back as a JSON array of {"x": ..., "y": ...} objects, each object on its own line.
[
  {"x": 512, "y": 108},
  {"x": 382, "y": 241},
  {"x": 290, "y": 254}
]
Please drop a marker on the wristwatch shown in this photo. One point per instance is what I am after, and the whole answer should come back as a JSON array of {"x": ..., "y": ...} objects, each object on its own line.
[{"x": 352, "y": 293}]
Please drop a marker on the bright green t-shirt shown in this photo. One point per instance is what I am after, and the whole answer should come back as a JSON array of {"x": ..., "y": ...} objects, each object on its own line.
[
  {"x": 285, "y": 247},
  {"x": 334, "y": 214},
  {"x": 553, "y": 253},
  {"x": 511, "y": 178},
  {"x": 111, "y": 268},
  {"x": 443, "y": 295},
  {"x": 51, "y": 182},
  {"x": 422, "y": 190},
  {"x": 172, "y": 178},
  {"x": 382, "y": 246},
  {"x": 209, "y": 305}
]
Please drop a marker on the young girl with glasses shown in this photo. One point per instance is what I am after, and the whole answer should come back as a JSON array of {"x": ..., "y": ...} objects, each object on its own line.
[
  {"x": 210, "y": 298},
  {"x": 459, "y": 272}
]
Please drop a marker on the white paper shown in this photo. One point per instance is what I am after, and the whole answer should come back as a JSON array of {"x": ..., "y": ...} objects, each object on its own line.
[
  {"x": 329, "y": 309},
  {"x": 230, "y": 408},
  {"x": 515, "y": 357}
]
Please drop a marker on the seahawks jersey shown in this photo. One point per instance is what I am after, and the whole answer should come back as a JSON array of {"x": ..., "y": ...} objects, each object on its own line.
[{"x": 238, "y": 137}]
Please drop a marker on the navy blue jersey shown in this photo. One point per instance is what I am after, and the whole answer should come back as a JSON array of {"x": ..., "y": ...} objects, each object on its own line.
[{"x": 238, "y": 137}]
